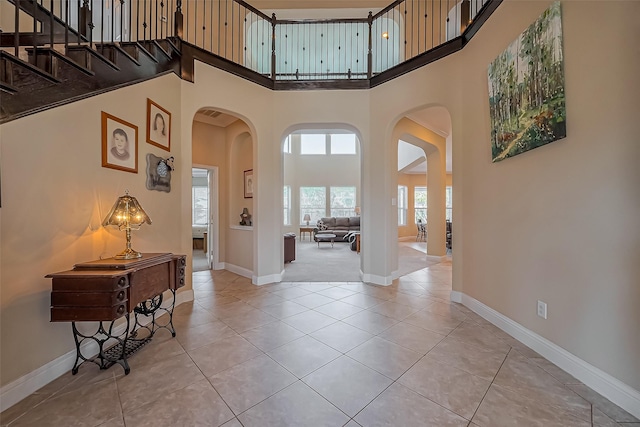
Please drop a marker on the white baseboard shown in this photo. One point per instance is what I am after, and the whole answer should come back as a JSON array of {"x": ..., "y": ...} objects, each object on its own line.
[
  {"x": 218, "y": 266},
  {"x": 269, "y": 278},
  {"x": 17, "y": 390},
  {"x": 184, "y": 296},
  {"x": 376, "y": 280},
  {"x": 610, "y": 387},
  {"x": 240, "y": 271},
  {"x": 456, "y": 296}
]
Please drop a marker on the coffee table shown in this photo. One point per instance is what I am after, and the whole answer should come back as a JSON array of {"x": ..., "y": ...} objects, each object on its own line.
[{"x": 325, "y": 238}]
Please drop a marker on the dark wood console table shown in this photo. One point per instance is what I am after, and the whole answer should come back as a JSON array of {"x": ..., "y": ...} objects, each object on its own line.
[{"x": 109, "y": 289}]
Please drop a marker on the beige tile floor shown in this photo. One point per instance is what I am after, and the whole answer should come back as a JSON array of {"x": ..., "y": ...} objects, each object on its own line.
[{"x": 323, "y": 354}]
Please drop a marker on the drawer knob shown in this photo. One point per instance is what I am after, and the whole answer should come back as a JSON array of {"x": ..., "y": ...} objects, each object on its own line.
[
  {"x": 182, "y": 281},
  {"x": 122, "y": 281},
  {"x": 120, "y": 296},
  {"x": 183, "y": 261},
  {"x": 120, "y": 310},
  {"x": 182, "y": 271}
]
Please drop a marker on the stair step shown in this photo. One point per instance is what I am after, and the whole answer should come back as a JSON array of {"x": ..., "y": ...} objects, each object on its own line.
[
  {"x": 135, "y": 49},
  {"x": 7, "y": 88},
  {"x": 168, "y": 46},
  {"x": 12, "y": 64},
  {"x": 174, "y": 42},
  {"x": 89, "y": 58},
  {"x": 74, "y": 72},
  {"x": 155, "y": 48},
  {"x": 53, "y": 61},
  {"x": 42, "y": 15},
  {"x": 115, "y": 53}
]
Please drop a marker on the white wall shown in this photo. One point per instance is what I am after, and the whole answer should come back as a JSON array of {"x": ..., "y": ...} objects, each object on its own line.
[
  {"x": 55, "y": 194},
  {"x": 209, "y": 148},
  {"x": 560, "y": 223},
  {"x": 557, "y": 223}
]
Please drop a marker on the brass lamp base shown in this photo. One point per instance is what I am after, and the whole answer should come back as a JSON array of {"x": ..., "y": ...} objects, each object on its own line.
[{"x": 128, "y": 254}]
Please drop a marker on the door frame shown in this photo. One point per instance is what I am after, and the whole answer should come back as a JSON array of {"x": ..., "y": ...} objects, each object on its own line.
[{"x": 213, "y": 230}]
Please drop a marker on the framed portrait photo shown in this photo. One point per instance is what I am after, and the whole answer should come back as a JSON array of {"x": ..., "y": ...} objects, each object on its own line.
[
  {"x": 248, "y": 184},
  {"x": 158, "y": 126},
  {"x": 119, "y": 144}
]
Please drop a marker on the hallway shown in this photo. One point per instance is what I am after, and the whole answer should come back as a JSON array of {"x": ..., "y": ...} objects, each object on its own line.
[{"x": 323, "y": 354}]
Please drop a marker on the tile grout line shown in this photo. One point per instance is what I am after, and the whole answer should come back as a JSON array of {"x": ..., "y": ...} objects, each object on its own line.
[
  {"x": 209, "y": 381},
  {"x": 490, "y": 384}
]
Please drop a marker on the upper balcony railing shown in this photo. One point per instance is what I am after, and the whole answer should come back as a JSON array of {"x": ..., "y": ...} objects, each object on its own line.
[
  {"x": 280, "y": 50},
  {"x": 325, "y": 49}
]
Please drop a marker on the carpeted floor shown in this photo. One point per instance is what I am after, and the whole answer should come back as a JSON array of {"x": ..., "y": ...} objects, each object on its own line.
[
  {"x": 334, "y": 264},
  {"x": 341, "y": 264},
  {"x": 323, "y": 263}
]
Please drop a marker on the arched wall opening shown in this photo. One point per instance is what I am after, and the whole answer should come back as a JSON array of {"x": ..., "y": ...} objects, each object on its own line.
[
  {"x": 322, "y": 178},
  {"x": 432, "y": 136},
  {"x": 223, "y": 141},
  {"x": 412, "y": 191}
]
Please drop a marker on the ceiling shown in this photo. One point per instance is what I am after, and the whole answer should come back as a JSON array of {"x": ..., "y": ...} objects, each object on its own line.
[
  {"x": 435, "y": 118},
  {"x": 438, "y": 120},
  {"x": 214, "y": 117},
  {"x": 263, "y": 5}
]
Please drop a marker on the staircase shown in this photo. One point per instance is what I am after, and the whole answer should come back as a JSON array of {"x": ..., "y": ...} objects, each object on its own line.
[
  {"x": 54, "y": 52},
  {"x": 58, "y": 61}
]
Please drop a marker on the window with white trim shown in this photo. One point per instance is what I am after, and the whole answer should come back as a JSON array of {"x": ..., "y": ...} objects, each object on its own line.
[
  {"x": 343, "y": 143},
  {"x": 200, "y": 211},
  {"x": 402, "y": 205},
  {"x": 420, "y": 204},
  {"x": 286, "y": 147},
  {"x": 343, "y": 201},
  {"x": 313, "y": 201},
  {"x": 311, "y": 143},
  {"x": 286, "y": 202},
  {"x": 449, "y": 203}
]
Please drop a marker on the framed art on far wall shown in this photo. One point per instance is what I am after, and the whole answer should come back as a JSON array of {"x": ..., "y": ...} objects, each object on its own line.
[
  {"x": 119, "y": 144},
  {"x": 248, "y": 184},
  {"x": 158, "y": 126}
]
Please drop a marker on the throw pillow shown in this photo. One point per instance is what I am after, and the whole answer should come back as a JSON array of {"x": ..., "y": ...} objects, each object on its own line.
[{"x": 321, "y": 225}]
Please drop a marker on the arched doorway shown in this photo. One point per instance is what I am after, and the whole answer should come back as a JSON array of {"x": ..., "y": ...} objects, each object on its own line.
[
  {"x": 322, "y": 182},
  {"x": 222, "y": 148},
  {"x": 424, "y": 177}
]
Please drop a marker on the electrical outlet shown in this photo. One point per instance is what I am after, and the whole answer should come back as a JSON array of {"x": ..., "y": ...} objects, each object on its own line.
[{"x": 542, "y": 309}]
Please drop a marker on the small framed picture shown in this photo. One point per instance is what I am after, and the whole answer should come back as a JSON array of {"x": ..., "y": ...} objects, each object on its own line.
[
  {"x": 248, "y": 184},
  {"x": 119, "y": 144},
  {"x": 158, "y": 126}
]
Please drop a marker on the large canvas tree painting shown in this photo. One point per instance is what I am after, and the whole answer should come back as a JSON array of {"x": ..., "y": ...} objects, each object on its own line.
[{"x": 526, "y": 89}]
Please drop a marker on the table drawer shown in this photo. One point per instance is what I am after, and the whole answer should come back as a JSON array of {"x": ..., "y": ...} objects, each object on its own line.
[
  {"x": 88, "y": 314},
  {"x": 89, "y": 299},
  {"x": 88, "y": 284}
]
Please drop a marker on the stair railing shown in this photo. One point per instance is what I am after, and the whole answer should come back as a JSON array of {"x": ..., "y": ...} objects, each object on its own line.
[
  {"x": 327, "y": 49},
  {"x": 281, "y": 49}
]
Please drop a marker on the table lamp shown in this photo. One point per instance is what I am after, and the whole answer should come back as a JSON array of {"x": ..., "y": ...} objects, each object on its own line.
[
  {"x": 357, "y": 210},
  {"x": 127, "y": 215},
  {"x": 307, "y": 218}
]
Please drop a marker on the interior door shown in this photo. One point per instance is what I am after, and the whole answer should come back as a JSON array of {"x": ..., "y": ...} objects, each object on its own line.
[{"x": 211, "y": 239}]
